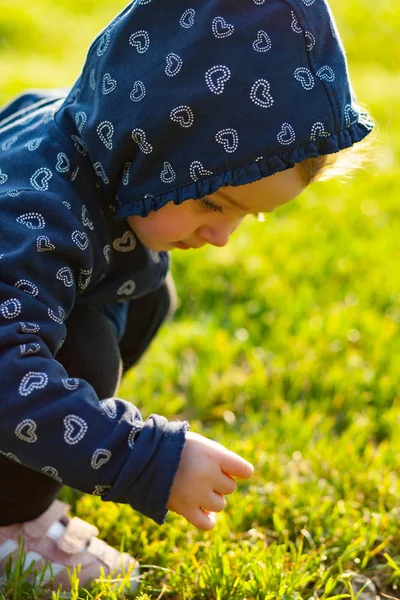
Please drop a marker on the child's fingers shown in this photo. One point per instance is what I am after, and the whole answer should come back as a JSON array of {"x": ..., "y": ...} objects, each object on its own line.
[
  {"x": 215, "y": 502},
  {"x": 225, "y": 485},
  {"x": 236, "y": 466},
  {"x": 205, "y": 520}
]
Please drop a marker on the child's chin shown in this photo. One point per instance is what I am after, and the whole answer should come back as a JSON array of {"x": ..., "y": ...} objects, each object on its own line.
[{"x": 159, "y": 246}]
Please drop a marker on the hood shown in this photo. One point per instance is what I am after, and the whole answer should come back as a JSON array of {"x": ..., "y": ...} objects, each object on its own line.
[{"x": 175, "y": 102}]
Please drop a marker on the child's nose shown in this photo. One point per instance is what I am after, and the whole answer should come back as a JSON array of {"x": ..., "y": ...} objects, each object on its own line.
[{"x": 216, "y": 235}]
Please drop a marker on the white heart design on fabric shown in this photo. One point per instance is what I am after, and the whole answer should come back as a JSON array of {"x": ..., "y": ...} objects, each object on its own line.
[
  {"x": 100, "y": 457},
  {"x": 105, "y": 131},
  {"x": 109, "y": 407},
  {"x": 65, "y": 275},
  {"x": 40, "y": 179},
  {"x": 29, "y": 327},
  {"x": 222, "y": 29},
  {"x": 84, "y": 278},
  {"x": 31, "y": 348},
  {"x": 326, "y": 73},
  {"x": 52, "y": 472},
  {"x": 197, "y": 170},
  {"x": 263, "y": 42},
  {"x": 71, "y": 383},
  {"x": 86, "y": 218},
  {"x": 318, "y": 130},
  {"x": 81, "y": 239},
  {"x": 229, "y": 138},
  {"x": 80, "y": 120},
  {"x": 106, "y": 252},
  {"x": 126, "y": 243},
  {"x": 295, "y": 23},
  {"x": 32, "y": 220},
  {"x": 125, "y": 176},
  {"x": 74, "y": 174},
  {"x": 27, "y": 286},
  {"x": 260, "y": 93},
  {"x": 351, "y": 115},
  {"x": 61, "y": 315},
  {"x": 103, "y": 45},
  {"x": 3, "y": 177},
  {"x": 149, "y": 196},
  {"x": 11, "y": 456},
  {"x": 132, "y": 436},
  {"x": 63, "y": 164},
  {"x": 187, "y": 19},
  {"x": 33, "y": 144},
  {"x": 182, "y": 115},
  {"x": 138, "y": 92},
  {"x": 127, "y": 288},
  {"x": 140, "y": 40},
  {"x": 25, "y": 431},
  {"x": 305, "y": 77},
  {"x": 92, "y": 80},
  {"x": 75, "y": 429},
  {"x": 43, "y": 244},
  {"x": 174, "y": 64},
  {"x": 13, "y": 193},
  {"x": 7, "y": 145},
  {"x": 10, "y": 309},
  {"x": 100, "y": 172},
  {"x": 32, "y": 381},
  {"x": 109, "y": 84},
  {"x": 168, "y": 174},
  {"x": 310, "y": 40},
  {"x": 101, "y": 490},
  {"x": 79, "y": 144},
  {"x": 308, "y": 2},
  {"x": 216, "y": 77},
  {"x": 139, "y": 136},
  {"x": 286, "y": 135}
]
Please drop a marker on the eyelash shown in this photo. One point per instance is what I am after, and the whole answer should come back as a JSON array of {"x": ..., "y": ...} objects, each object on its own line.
[
  {"x": 210, "y": 205},
  {"x": 215, "y": 208}
]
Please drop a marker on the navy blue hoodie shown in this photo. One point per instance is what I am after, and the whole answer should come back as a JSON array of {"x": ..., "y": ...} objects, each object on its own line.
[{"x": 176, "y": 99}]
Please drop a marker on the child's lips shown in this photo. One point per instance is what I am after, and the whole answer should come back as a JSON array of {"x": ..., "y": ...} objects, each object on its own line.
[{"x": 182, "y": 245}]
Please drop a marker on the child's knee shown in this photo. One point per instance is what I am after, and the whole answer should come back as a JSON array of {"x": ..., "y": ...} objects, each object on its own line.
[{"x": 91, "y": 352}]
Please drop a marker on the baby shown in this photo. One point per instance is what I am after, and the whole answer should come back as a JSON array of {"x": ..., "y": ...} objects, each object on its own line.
[{"x": 186, "y": 119}]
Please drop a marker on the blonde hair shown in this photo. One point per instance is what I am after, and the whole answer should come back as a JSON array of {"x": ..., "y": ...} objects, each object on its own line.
[{"x": 342, "y": 164}]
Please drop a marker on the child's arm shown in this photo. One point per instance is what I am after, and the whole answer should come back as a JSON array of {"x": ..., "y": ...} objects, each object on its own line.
[
  {"x": 49, "y": 421},
  {"x": 205, "y": 474}
]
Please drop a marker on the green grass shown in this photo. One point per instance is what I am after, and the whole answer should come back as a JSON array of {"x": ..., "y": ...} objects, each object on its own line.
[{"x": 284, "y": 348}]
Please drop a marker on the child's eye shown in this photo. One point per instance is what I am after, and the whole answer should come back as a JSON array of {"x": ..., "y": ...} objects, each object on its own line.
[{"x": 210, "y": 205}]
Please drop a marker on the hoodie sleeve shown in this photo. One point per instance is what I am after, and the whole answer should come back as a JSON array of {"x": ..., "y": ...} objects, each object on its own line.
[{"x": 49, "y": 421}]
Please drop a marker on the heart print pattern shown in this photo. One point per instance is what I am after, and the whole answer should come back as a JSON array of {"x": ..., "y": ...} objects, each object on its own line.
[{"x": 165, "y": 106}]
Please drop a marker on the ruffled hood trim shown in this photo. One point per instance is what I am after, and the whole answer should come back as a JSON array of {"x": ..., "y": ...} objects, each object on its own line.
[{"x": 256, "y": 169}]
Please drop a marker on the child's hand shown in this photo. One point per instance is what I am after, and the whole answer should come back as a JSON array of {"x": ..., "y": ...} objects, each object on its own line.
[{"x": 205, "y": 474}]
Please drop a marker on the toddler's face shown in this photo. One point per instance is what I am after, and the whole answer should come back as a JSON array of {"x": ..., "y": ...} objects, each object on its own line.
[{"x": 212, "y": 219}]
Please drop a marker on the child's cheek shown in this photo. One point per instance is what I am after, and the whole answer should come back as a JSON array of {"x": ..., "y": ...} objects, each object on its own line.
[{"x": 159, "y": 226}]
